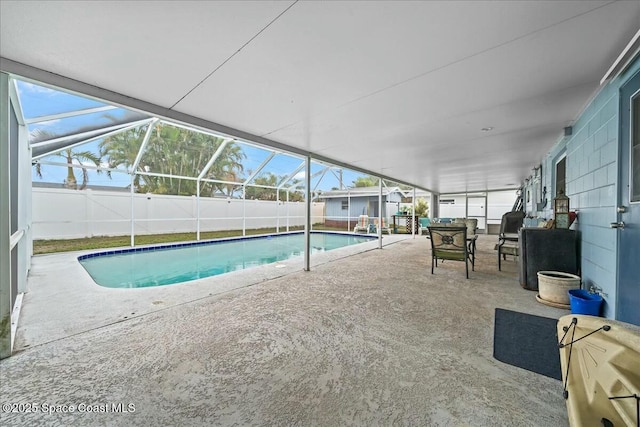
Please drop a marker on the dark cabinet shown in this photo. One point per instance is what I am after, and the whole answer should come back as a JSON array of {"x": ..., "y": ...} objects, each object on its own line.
[{"x": 546, "y": 249}]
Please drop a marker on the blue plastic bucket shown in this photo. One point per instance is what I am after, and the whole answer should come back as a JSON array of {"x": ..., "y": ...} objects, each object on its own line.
[{"x": 582, "y": 302}]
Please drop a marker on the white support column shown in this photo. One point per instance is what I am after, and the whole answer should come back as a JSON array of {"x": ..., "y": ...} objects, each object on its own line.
[
  {"x": 466, "y": 205},
  {"x": 25, "y": 244},
  {"x": 244, "y": 211},
  {"x": 380, "y": 213},
  {"x": 413, "y": 216},
  {"x": 307, "y": 213},
  {"x": 27, "y": 182},
  {"x": 348, "y": 210},
  {"x": 277, "y": 210},
  {"x": 198, "y": 209},
  {"x": 132, "y": 171},
  {"x": 25, "y": 215},
  {"x": 5, "y": 221},
  {"x": 486, "y": 213},
  {"x": 133, "y": 217},
  {"x": 287, "y": 210}
]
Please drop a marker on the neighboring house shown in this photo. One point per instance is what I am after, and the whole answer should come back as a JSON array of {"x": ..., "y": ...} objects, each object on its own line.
[{"x": 343, "y": 207}]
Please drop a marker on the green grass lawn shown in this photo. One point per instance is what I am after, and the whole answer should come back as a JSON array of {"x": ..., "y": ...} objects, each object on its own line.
[{"x": 101, "y": 242}]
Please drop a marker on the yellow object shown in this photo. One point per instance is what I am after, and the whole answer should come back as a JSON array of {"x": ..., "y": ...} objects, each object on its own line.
[{"x": 602, "y": 381}]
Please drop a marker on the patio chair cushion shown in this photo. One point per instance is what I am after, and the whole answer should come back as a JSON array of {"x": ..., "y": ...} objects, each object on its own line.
[
  {"x": 444, "y": 254},
  {"x": 470, "y": 223}
]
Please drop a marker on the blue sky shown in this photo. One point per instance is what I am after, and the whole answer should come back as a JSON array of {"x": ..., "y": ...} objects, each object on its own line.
[{"x": 39, "y": 101}]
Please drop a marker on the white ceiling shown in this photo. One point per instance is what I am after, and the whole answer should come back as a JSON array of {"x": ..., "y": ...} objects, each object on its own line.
[{"x": 397, "y": 88}]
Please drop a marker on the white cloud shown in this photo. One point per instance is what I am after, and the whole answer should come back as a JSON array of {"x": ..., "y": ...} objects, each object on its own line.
[
  {"x": 33, "y": 88},
  {"x": 49, "y": 123}
]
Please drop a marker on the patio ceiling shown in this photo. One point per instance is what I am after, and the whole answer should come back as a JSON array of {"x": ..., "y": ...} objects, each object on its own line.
[{"x": 400, "y": 89}]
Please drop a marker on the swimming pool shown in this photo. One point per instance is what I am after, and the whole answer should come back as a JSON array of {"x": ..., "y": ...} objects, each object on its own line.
[{"x": 170, "y": 264}]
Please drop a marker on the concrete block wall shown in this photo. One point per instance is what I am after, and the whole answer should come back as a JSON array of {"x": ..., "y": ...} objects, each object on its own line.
[
  {"x": 592, "y": 156},
  {"x": 592, "y": 176}
]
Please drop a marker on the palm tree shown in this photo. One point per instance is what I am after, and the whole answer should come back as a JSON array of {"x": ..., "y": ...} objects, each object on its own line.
[
  {"x": 261, "y": 193},
  {"x": 122, "y": 149},
  {"x": 70, "y": 155},
  {"x": 366, "y": 181},
  {"x": 175, "y": 151},
  {"x": 272, "y": 180},
  {"x": 227, "y": 167},
  {"x": 81, "y": 157}
]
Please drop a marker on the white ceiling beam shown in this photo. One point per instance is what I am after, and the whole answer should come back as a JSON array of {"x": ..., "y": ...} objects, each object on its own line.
[
  {"x": 213, "y": 158},
  {"x": 115, "y": 130},
  {"x": 80, "y": 165},
  {"x": 172, "y": 116},
  {"x": 75, "y": 113},
  {"x": 312, "y": 176},
  {"x": 143, "y": 146},
  {"x": 291, "y": 175},
  {"x": 257, "y": 171},
  {"x": 324, "y": 172}
]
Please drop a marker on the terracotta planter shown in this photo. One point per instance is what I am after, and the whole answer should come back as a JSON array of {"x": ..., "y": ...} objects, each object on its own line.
[{"x": 553, "y": 286}]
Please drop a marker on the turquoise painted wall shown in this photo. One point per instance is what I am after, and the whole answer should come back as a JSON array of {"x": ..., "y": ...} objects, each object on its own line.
[{"x": 592, "y": 185}]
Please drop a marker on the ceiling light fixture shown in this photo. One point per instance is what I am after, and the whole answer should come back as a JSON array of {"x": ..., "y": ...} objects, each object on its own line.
[{"x": 487, "y": 129}]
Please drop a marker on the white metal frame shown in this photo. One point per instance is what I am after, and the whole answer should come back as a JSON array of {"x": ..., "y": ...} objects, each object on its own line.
[{"x": 23, "y": 238}]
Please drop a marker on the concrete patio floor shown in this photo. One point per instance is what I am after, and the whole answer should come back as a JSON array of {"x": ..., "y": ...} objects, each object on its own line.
[{"x": 369, "y": 338}]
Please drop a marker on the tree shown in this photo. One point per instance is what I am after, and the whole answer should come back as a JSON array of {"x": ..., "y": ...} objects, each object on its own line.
[
  {"x": 122, "y": 149},
  {"x": 179, "y": 152},
  {"x": 271, "y": 180},
  {"x": 70, "y": 155},
  {"x": 422, "y": 208},
  {"x": 366, "y": 181},
  {"x": 227, "y": 167},
  {"x": 261, "y": 193}
]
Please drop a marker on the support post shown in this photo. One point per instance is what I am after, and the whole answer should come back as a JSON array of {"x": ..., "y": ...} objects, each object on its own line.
[
  {"x": 277, "y": 210},
  {"x": 466, "y": 205},
  {"x": 413, "y": 216},
  {"x": 25, "y": 208},
  {"x": 434, "y": 207},
  {"x": 133, "y": 175},
  {"x": 348, "y": 210},
  {"x": 486, "y": 212},
  {"x": 244, "y": 211},
  {"x": 198, "y": 209},
  {"x": 287, "y": 210},
  {"x": 5, "y": 224},
  {"x": 379, "y": 213},
  {"x": 307, "y": 223}
]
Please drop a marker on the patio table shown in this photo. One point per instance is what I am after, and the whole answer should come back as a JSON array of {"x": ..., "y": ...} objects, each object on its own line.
[{"x": 408, "y": 223}]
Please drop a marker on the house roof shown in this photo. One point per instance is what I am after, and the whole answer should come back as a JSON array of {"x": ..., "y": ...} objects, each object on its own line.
[{"x": 359, "y": 192}]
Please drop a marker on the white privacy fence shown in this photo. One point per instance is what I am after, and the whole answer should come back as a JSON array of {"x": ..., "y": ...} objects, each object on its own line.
[{"x": 66, "y": 214}]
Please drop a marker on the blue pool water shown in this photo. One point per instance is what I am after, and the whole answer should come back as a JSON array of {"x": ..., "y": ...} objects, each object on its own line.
[{"x": 166, "y": 265}]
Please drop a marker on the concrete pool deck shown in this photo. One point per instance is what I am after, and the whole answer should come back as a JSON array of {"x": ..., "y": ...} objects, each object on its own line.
[
  {"x": 59, "y": 285},
  {"x": 370, "y": 338}
]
